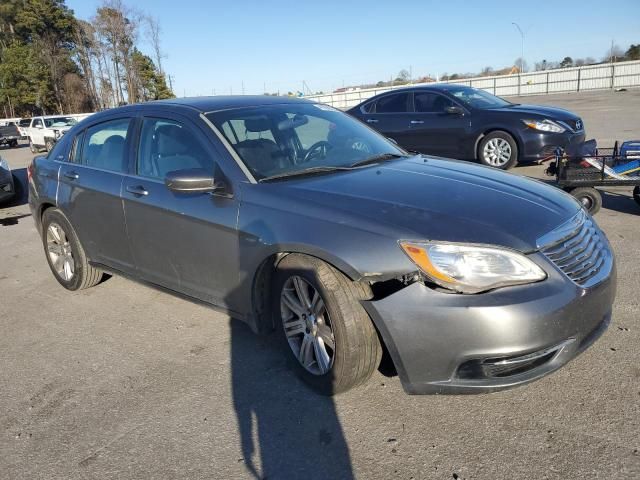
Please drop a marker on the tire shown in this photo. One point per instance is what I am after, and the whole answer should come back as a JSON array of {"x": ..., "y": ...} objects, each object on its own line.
[
  {"x": 48, "y": 144},
  {"x": 32, "y": 147},
  {"x": 356, "y": 352},
  {"x": 83, "y": 275},
  {"x": 636, "y": 194},
  {"x": 589, "y": 197},
  {"x": 493, "y": 145},
  {"x": 13, "y": 144}
]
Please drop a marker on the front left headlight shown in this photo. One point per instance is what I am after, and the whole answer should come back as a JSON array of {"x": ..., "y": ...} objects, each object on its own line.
[
  {"x": 4, "y": 165},
  {"x": 545, "y": 125},
  {"x": 470, "y": 268}
]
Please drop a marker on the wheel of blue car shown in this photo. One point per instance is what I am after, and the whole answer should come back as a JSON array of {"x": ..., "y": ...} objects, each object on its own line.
[
  {"x": 333, "y": 343},
  {"x": 499, "y": 150},
  {"x": 636, "y": 194},
  {"x": 65, "y": 254}
]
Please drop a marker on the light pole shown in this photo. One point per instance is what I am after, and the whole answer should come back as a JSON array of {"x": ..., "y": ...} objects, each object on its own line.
[{"x": 522, "y": 46}]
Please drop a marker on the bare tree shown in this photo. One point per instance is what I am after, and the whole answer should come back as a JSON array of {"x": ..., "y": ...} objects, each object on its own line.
[{"x": 153, "y": 33}]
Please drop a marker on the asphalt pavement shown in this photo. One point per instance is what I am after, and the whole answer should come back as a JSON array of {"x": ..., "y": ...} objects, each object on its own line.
[{"x": 123, "y": 381}]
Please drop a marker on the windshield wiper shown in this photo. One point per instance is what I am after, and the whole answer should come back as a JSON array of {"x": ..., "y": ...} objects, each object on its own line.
[
  {"x": 377, "y": 159},
  {"x": 305, "y": 171}
]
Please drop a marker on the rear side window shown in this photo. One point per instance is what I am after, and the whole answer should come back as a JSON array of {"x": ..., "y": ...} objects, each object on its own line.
[
  {"x": 167, "y": 146},
  {"x": 57, "y": 152},
  {"x": 368, "y": 107},
  {"x": 429, "y": 102},
  {"x": 76, "y": 149},
  {"x": 396, "y": 103},
  {"x": 104, "y": 145}
]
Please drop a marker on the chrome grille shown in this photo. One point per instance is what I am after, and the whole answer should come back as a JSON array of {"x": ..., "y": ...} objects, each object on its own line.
[{"x": 578, "y": 248}]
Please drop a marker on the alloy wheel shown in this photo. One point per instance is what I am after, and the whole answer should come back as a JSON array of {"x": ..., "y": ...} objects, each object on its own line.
[
  {"x": 497, "y": 152},
  {"x": 307, "y": 325},
  {"x": 59, "y": 251}
]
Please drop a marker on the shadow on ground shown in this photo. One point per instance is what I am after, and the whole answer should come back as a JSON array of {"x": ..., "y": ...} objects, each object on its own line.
[{"x": 286, "y": 430}]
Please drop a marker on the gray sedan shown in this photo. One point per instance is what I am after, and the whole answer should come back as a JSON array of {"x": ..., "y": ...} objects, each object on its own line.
[{"x": 293, "y": 216}]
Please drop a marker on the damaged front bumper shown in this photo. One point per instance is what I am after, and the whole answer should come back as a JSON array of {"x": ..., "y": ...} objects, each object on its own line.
[{"x": 444, "y": 343}]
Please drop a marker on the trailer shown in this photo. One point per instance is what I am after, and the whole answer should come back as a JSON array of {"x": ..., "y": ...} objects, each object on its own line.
[{"x": 579, "y": 173}]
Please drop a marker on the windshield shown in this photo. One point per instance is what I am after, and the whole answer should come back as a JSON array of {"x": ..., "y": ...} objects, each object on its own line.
[
  {"x": 476, "y": 98},
  {"x": 59, "y": 122},
  {"x": 280, "y": 139}
]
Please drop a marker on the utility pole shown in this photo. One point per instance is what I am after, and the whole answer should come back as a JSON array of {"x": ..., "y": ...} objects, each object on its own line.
[{"x": 521, "y": 46}]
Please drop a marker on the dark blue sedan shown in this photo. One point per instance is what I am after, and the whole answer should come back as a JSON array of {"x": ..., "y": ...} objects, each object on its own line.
[{"x": 465, "y": 123}]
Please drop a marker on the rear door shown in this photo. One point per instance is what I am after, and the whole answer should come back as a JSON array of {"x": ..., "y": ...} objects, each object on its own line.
[
  {"x": 389, "y": 116},
  {"x": 432, "y": 129},
  {"x": 183, "y": 241},
  {"x": 90, "y": 190}
]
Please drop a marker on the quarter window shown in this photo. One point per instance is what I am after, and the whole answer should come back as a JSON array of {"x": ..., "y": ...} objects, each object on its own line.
[
  {"x": 396, "y": 103},
  {"x": 104, "y": 145},
  {"x": 167, "y": 146}
]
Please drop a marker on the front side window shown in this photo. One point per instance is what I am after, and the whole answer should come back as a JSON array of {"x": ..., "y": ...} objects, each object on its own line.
[
  {"x": 104, "y": 145},
  {"x": 290, "y": 137},
  {"x": 37, "y": 123},
  {"x": 429, "y": 102},
  {"x": 25, "y": 122},
  {"x": 167, "y": 146},
  {"x": 396, "y": 103},
  {"x": 476, "y": 98}
]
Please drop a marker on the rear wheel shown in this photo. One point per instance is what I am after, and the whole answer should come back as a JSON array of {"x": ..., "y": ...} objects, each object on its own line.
[
  {"x": 589, "y": 197},
  {"x": 636, "y": 194},
  {"x": 65, "y": 254},
  {"x": 499, "y": 150},
  {"x": 13, "y": 143},
  {"x": 333, "y": 343},
  {"x": 48, "y": 144}
]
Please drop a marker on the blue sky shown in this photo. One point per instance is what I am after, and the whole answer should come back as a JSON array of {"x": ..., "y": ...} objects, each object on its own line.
[{"x": 219, "y": 46}]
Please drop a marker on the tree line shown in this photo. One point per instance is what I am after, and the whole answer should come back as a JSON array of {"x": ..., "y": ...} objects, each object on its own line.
[{"x": 52, "y": 62}]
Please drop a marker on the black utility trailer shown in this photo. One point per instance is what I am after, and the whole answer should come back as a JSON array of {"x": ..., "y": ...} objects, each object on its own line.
[{"x": 578, "y": 173}]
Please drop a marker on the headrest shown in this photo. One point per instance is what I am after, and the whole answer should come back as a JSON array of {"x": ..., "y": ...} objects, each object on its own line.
[
  {"x": 172, "y": 140},
  {"x": 257, "y": 124}
]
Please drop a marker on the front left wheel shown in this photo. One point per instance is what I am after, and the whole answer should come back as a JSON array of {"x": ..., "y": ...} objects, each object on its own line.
[
  {"x": 499, "y": 150},
  {"x": 65, "y": 255},
  {"x": 333, "y": 342}
]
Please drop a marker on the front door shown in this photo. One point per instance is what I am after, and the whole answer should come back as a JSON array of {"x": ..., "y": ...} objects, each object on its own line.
[
  {"x": 434, "y": 130},
  {"x": 90, "y": 187},
  {"x": 183, "y": 241}
]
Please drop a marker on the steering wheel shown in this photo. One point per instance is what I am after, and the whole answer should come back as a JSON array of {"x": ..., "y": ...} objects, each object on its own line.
[{"x": 318, "y": 148}]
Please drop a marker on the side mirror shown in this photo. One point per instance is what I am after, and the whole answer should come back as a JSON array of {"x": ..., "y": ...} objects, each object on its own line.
[
  {"x": 454, "y": 110},
  {"x": 190, "y": 180}
]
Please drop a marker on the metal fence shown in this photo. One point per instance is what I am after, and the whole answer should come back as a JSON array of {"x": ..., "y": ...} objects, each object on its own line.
[{"x": 575, "y": 79}]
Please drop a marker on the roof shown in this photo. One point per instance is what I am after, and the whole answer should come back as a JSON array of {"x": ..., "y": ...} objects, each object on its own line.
[{"x": 223, "y": 102}]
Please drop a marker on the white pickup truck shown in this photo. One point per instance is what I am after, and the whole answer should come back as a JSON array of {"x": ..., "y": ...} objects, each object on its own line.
[{"x": 44, "y": 132}]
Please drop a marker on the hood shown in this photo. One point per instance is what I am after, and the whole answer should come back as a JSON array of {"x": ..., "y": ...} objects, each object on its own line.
[
  {"x": 423, "y": 198},
  {"x": 552, "y": 113}
]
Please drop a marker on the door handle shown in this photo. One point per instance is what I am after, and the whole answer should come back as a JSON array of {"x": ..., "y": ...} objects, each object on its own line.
[
  {"x": 416, "y": 122},
  {"x": 372, "y": 120},
  {"x": 71, "y": 175},
  {"x": 138, "y": 190}
]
